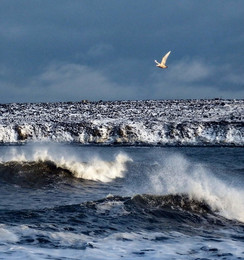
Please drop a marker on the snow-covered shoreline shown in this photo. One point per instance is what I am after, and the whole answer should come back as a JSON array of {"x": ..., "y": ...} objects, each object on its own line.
[{"x": 151, "y": 122}]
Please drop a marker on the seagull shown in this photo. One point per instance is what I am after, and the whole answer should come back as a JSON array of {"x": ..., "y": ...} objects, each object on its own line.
[{"x": 162, "y": 65}]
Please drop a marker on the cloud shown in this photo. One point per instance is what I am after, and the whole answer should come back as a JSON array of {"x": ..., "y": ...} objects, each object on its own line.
[
  {"x": 235, "y": 79},
  {"x": 195, "y": 79},
  {"x": 190, "y": 71},
  {"x": 74, "y": 82},
  {"x": 14, "y": 93},
  {"x": 66, "y": 50},
  {"x": 63, "y": 82},
  {"x": 186, "y": 71},
  {"x": 100, "y": 50},
  {"x": 196, "y": 91}
]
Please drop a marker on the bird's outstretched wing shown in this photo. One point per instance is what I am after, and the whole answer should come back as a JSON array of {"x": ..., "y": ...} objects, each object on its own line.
[{"x": 165, "y": 57}]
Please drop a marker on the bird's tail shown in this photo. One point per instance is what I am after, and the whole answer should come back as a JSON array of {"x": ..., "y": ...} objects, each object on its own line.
[{"x": 157, "y": 62}]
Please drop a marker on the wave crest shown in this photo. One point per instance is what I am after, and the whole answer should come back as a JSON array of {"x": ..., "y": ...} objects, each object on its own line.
[
  {"x": 43, "y": 161},
  {"x": 179, "y": 176},
  {"x": 178, "y": 201},
  {"x": 97, "y": 169}
]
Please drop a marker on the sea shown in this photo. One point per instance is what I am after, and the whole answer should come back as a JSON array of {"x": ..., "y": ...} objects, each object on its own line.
[{"x": 75, "y": 201}]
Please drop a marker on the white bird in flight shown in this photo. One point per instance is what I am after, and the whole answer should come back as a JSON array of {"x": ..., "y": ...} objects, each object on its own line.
[{"x": 162, "y": 65}]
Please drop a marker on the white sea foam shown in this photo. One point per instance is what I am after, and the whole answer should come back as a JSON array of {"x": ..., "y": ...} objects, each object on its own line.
[
  {"x": 7, "y": 235},
  {"x": 97, "y": 169},
  {"x": 126, "y": 245},
  {"x": 178, "y": 175},
  {"x": 113, "y": 208},
  {"x": 94, "y": 168}
]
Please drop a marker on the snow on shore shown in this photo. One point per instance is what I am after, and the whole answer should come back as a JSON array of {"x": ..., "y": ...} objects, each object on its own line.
[{"x": 165, "y": 122}]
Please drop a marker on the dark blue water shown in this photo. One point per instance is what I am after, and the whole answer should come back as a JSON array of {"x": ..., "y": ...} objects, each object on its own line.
[{"x": 95, "y": 202}]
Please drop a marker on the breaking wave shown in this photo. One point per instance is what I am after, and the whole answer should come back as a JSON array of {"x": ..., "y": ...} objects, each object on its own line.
[
  {"x": 176, "y": 176},
  {"x": 42, "y": 162},
  {"x": 183, "y": 184}
]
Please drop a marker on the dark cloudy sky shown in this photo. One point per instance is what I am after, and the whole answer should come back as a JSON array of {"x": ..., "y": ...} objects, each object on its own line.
[{"x": 70, "y": 50}]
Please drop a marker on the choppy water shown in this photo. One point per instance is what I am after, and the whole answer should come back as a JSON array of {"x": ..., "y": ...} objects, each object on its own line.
[{"x": 94, "y": 202}]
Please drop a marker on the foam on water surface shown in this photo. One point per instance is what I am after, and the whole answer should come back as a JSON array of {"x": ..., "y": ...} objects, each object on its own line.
[{"x": 126, "y": 245}]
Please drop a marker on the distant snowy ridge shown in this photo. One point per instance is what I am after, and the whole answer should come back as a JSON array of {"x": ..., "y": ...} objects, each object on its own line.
[{"x": 165, "y": 122}]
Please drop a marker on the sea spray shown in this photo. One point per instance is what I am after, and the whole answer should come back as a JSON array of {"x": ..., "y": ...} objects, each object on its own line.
[{"x": 177, "y": 175}]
